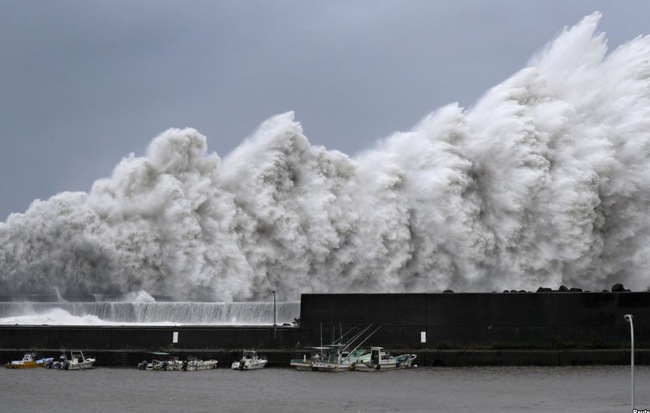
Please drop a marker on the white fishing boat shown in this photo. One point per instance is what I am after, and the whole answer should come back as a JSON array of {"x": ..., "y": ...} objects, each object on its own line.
[
  {"x": 302, "y": 360},
  {"x": 166, "y": 362},
  {"x": 76, "y": 361},
  {"x": 29, "y": 361},
  {"x": 80, "y": 362},
  {"x": 378, "y": 359},
  {"x": 196, "y": 364},
  {"x": 171, "y": 364},
  {"x": 334, "y": 357},
  {"x": 161, "y": 361},
  {"x": 250, "y": 361}
]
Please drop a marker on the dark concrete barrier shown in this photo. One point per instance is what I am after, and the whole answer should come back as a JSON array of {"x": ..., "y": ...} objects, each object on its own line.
[
  {"x": 547, "y": 328},
  {"x": 480, "y": 320},
  {"x": 452, "y": 358},
  {"x": 146, "y": 338}
]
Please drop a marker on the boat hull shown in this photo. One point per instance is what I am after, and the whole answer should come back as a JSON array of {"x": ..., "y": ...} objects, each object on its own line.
[
  {"x": 29, "y": 361},
  {"x": 300, "y": 365},
  {"x": 248, "y": 366},
  {"x": 250, "y": 361},
  {"x": 27, "y": 365},
  {"x": 202, "y": 365},
  {"x": 379, "y": 360},
  {"x": 88, "y": 364},
  {"x": 333, "y": 367}
]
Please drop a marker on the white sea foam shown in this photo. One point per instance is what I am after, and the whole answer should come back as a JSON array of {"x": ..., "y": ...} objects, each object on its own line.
[
  {"x": 544, "y": 181},
  {"x": 54, "y": 316}
]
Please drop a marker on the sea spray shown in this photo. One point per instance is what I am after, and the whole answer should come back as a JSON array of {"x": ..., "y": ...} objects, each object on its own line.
[{"x": 544, "y": 181}]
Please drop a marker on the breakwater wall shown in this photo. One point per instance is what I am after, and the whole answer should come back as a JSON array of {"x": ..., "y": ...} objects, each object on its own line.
[
  {"x": 151, "y": 338},
  {"x": 123, "y": 345},
  {"x": 549, "y": 328},
  {"x": 492, "y": 321}
]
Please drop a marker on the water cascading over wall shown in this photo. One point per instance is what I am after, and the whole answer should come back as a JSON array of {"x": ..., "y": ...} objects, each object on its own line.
[{"x": 151, "y": 313}]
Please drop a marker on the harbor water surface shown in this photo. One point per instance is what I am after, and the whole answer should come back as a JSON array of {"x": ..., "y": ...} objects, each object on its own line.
[{"x": 424, "y": 389}]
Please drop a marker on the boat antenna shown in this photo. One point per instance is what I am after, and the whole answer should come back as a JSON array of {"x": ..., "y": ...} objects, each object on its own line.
[
  {"x": 355, "y": 337},
  {"x": 377, "y": 329}
]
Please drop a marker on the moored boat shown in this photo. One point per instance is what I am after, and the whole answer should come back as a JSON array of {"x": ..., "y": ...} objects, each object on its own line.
[
  {"x": 161, "y": 361},
  {"x": 80, "y": 362},
  {"x": 302, "y": 361},
  {"x": 334, "y": 357},
  {"x": 378, "y": 359},
  {"x": 76, "y": 361},
  {"x": 172, "y": 364},
  {"x": 30, "y": 360},
  {"x": 166, "y": 362},
  {"x": 250, "y": 361},
  {"x": 196, "y": 364}
]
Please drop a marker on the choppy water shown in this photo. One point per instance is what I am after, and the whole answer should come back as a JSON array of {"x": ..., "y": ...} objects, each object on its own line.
[{"x": 431, "y": 389}]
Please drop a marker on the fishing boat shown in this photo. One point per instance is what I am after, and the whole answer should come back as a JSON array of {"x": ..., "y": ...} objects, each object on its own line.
[
  {"x": 378, "y": 359},
  {"x": 29, "y": 361},
  {"x": 76, "y": 361},
  {"x": 171, "y": 364},
  {"x": 196, "y": 364},
  {"x": 61, "y": 363},
  {"x": 250, "y": 361},
  {"x": 80, "y": 362},
  {"x": 166, "y": 362},
  {"x": 161, "y": 361},
  {"x": 302, "y": 360},
  {"x": 334, "y": 357}
]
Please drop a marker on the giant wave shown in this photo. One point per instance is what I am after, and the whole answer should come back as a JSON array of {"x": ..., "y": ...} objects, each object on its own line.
[{"x": 544, "y": 181}]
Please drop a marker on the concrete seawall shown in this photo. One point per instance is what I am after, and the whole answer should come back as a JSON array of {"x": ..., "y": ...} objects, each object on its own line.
[
  {"x": 442, "y": 329},
  {"x": 553, "y": 320},
  {"x": 148, "y": 338}
]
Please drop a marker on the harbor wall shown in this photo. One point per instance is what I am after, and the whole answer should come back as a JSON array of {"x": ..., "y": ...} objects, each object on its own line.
[
  {"x": 126, "y": 345},
  {"x": 551, "y": 328},
  {"x": 146, "y": 338},
  {"x": 548, "y": 320}
]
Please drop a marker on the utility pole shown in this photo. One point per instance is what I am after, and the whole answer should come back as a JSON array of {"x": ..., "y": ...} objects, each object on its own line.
[
  {"x": 628, "y": 318},
  {"x": 274, "y": 315}
]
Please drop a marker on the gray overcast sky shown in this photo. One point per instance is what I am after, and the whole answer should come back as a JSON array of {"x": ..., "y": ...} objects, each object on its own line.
[{"x": 85, "y": 83}]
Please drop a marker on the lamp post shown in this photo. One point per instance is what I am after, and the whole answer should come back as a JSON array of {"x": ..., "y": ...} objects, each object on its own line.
[
  {"x": 274, "y": 320},
  {"x": 628, "y": 318},
  {"x": 274, "y": 323}
]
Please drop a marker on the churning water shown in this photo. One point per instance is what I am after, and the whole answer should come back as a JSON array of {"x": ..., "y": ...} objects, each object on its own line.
[{"x": 603, "y": 389}]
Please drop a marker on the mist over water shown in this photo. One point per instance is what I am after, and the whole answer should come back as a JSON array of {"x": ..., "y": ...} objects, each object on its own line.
[{"x": 543, "y": 182}]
